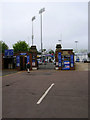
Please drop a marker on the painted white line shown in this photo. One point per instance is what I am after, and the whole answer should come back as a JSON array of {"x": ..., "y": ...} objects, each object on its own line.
[{"x": 46, "y": 92}]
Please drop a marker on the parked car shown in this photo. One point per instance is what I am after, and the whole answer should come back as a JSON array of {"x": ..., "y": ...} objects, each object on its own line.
[
  {"x": 84, "y": 60},
  {"x": 78, "y": 60}
]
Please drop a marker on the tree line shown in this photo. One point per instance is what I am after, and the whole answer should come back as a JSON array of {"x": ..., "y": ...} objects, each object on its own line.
[{"x": 19, "y": 46}]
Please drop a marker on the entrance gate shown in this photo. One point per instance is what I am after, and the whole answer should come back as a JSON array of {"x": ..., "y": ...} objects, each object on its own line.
[
  {"x": 46, "y": 62},
  {"x": 46, "y": 66},
  {"x": 22, "y": 59}
]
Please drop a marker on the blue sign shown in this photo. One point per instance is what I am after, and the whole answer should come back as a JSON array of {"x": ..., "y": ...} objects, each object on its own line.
[
  {"x": 66, "y": 65},
  {"x": 18, "y": 61},
  {"x": 59, "y": 59},
  {"x": 72, "y": 60},
  {"x": 23, "y": 53},
  {"x": 33, "y": 62},
  {"x": 8, "y": 52},
  {"x": 28, "y": 58}
]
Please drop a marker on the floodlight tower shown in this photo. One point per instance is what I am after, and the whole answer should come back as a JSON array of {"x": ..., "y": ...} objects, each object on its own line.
[
  {"x": 40, "y": 12},
  {"x": 33, "y": 18},
  {"x": 76, "y": 44}
]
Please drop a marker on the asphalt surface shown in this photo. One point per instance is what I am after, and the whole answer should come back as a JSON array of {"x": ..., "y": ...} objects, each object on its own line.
[
  {"x": 48, "y": 66},
  {"x": 10, "y": 71},
  {"x": 68, "y": 97}
]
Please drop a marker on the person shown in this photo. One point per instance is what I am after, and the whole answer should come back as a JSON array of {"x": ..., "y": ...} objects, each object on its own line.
[{"x": 28, "y": 67}]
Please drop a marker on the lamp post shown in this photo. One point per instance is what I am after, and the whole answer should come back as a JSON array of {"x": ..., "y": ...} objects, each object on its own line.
[
  {"x": 33, "y": 18},
  {"x": 60, "y": 41},
  {"x": 76, "y": 44},
  {"x": 40, "y": 12}
]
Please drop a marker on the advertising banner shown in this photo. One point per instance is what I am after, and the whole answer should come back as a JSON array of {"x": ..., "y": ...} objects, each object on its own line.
[
  {"x": 33, "y": 62},
  {"x": 23, "y": 53},
  {"x": 66, "y": 65},
  {"x": 28, "y": 58},
  {"x": 8, "y": 52},
  {"x": 18, "y": 61},
  {"x": 59, "y": 59},
  {"x": 72, "y": 60}
]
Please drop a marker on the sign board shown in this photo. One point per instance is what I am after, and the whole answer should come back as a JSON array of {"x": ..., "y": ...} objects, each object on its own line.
[
  {"x": 18, "y": 61},
  {"x": 33, "y": 62},
  {"x": 72, "y": 60},
  {"x": 66, "y": 65},
  {"x": 59, "y": 59},
  {"x": 8, "y": 52},
  {"x": 23, "y": 53},
  {"x": 28, "y": 58}
]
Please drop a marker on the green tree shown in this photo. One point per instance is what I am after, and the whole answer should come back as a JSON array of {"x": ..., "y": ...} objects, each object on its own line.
[
  {"x": 51, "y": 51},
  {"x": 3, "y": 46},
  {"x": 43, "y": 50},
  {"x": 20, "y": 46}
]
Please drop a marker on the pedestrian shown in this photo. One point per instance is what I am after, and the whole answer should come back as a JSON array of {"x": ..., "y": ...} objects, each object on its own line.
[{"x": 28, "y": 67}]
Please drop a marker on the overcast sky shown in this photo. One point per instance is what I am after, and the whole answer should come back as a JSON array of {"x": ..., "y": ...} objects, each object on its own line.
[{"x": 66, "y": 21}]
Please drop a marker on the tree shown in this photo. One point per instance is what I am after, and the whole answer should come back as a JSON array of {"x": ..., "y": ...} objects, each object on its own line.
[
  {"x": 51, "y": 51},
  {"x": 20, "y": 46},
  {"x": 43, "y": 50},
  {"x": 3, "y": 46}
]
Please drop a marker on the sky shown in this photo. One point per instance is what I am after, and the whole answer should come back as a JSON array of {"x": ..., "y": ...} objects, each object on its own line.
[{"x": 66, "y": 21}]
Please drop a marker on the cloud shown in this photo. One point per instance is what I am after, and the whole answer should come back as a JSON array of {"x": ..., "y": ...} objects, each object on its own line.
[{"x": 70, "y": 19}]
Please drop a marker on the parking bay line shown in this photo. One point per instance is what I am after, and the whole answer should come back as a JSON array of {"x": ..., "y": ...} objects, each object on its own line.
[{"x": 46, "y": 92}]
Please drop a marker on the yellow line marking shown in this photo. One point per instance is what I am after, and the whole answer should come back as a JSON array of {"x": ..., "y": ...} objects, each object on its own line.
[{"x": 12, "y": 74}]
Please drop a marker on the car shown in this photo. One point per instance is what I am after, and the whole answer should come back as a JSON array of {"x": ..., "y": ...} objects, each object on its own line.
[
  {"x": 84, "y": 60},
  {"x": 77, "y": 60}
]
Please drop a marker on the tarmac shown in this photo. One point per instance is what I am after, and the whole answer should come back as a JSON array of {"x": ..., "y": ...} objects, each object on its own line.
[{"x": 46, "y": 94}]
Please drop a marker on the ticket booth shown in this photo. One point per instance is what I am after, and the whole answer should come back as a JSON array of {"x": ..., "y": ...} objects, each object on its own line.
[
  {"x": 64, "y": 58},
  {"x": 22, "y": 58},
  {"x": 33, "y": 52},
  {"x": 8, "y": 61}
]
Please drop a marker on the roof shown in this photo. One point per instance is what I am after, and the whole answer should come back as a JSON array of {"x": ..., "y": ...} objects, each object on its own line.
[{"x": 67, "y": 49}]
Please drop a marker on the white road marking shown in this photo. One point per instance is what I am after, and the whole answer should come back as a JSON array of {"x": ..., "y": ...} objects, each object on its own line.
[{"x": 46, "y": 92}]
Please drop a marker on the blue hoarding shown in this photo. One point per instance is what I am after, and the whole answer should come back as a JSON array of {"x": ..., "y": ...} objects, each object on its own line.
[
  {"x": 28, "y": 58},
  {"x": 23, "y": 53},
  {"x": 59, "y": 59},
  {"x": 66, "y": 65},
  {"x": 18, "y": 61},
  {"x": 72, "y": 60},
  {"x": 8, "y": 52},
  {"x": 33, "y": 62}
]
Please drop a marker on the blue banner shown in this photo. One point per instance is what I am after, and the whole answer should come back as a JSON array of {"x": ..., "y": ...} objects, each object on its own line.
[
  {"x": 28, "y": 58},
  {"x": 72, "y": 60},
  {"x": 59, "y": 59},
  {"x": 33, "y": 62},
  {"x": 66, "y": 65},
  {"x": 23, "y": 53},
  {"x": 8, "y": 52},
  {"x": 18, "y": 61}
]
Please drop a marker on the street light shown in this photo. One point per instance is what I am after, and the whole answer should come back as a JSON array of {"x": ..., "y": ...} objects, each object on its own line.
[
  {"x": 60, "y": 41},
  {"x": 40, "y": 12},
  {"x": 76, "y": 44},
  {"x": 33, "y": 18}
]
